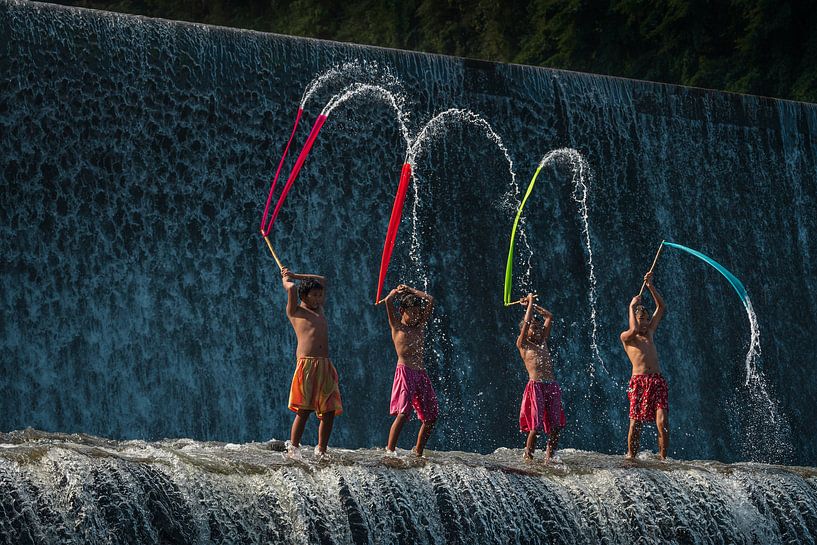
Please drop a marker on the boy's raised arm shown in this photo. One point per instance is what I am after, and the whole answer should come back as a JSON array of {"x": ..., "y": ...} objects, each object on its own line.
[
  {"x": 391, "y": 310},
  {"x": 292, "y": 291},
  {"x": 632, "y": 329},
  {"x": 660, "y": 306},
  {"x": 523, "y": 333},
  {"x": 429, "y": 303},
  {"x": 547, "y": 315},
  {"x": 321, "y": 279}
]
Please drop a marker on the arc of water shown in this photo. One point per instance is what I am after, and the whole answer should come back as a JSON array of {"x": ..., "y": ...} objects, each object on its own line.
[
  {"x": 407, "y": 173},
  {"x": 350, "y": 92},
  {"x": 580, "y": 194},
  {"x": 754, "y": 342},
  {"x": 314, "y": 85},
  {"x": 317, "y": 83}
]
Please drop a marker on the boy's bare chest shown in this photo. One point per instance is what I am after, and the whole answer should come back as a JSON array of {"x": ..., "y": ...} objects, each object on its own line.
[
  {"x": 408, "y": 335},
  {"x": 310, "y": 323}
]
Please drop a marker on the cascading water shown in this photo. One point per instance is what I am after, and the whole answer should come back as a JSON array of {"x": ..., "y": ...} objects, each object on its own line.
[
  {"x": 80, "y": 489},
  {"x": 133, "y": 276},
  {"x": 131, "y": 267},
  {"x": 581, "y": 190}
]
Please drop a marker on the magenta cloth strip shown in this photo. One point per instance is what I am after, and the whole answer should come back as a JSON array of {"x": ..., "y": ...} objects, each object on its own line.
[
  {"x": 394, "y": 225},
  {"x": 313, "y": 134},
  {"x": 265, "y": 232}
]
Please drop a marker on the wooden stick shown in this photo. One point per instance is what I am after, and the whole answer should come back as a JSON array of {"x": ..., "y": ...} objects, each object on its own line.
[
  {"x": 654, "y": 261},
  {"x": 521, "y": 301},
  {"x": 274, "y": 256}
]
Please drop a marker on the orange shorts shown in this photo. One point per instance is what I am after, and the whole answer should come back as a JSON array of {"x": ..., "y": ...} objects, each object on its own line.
[{"x": 315, "y": 387}]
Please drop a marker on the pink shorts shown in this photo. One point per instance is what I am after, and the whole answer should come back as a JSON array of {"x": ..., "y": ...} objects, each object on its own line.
[
  {"x": 412, "y": 388},
  {"x": 541, "y": 409}
]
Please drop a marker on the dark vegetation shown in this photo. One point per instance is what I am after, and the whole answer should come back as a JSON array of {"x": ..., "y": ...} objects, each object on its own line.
[{"x": 763, "y": 47}]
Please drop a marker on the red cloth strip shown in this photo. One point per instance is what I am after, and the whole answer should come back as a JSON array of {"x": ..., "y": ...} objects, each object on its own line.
[
  {"x": 277, "y": 172},
  {"x": 394, "y": 225},
  {"x": 313, "y": 134}
]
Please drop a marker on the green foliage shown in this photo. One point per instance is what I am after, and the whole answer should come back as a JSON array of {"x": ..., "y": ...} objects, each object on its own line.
[{"x": 765, "y": 47}]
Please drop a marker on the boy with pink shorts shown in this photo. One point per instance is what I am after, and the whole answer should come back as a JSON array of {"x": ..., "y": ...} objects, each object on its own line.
[
  {"x": 411, "y": 388},
  {"x": 541, "y": 410}
]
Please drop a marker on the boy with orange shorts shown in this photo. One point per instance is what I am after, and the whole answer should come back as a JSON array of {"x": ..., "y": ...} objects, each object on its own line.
[{"x": 315, "y": 382}]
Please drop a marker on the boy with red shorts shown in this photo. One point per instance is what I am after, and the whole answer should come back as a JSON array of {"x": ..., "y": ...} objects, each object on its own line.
[
  {"x": 411, "y": 387},
  {"x": 315, "y": 382},
  {"x": 648, "y": 388},
  {"x": 541, "y": 410}
]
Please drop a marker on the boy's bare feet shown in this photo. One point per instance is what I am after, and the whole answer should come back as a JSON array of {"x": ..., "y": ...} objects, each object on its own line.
[
  {"x": 527, "y": 455},
  {"x": 293, "y": 452}
]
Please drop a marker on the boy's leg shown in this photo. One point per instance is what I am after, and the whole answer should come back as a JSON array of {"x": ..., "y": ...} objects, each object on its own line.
[
  {"x": 552, "y": 444},
  {"x": 422, "y": 437},
  {"x": 530, "y": 444},
  {"x": 634, "y": 438},
  {"x": 325, "y": 430},
  {"x": 396, "y": 428},
  {"x": 298, "y": 426},
  {"x": 662, "y": 423}
]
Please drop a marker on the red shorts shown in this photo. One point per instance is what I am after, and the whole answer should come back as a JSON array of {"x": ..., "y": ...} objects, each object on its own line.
[
  {"x": 647, "y": 394},
  {"x": 412, "y": 388}
]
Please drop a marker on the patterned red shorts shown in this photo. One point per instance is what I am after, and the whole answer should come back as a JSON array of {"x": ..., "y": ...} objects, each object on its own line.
[{"x": 647, "y": 394}]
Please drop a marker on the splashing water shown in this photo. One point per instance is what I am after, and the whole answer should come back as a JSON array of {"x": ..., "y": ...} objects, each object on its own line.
[
  {"x": 369, "y": 71},
  {"x": 431, "y": 129},
  {"x": 375, "y": 91},
  {"x": 443, "y": 344},
  {"x": 754, "y": 343},
  {"x": 763, "y": 412},
  {"x": 581, "y": 189}
]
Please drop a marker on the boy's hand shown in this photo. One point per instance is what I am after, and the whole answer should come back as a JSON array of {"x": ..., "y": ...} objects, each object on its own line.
[
  {"x": 286, "y": 277},
  {"x": 635, "y": 301},
  {"x": 648, "y": 279}
]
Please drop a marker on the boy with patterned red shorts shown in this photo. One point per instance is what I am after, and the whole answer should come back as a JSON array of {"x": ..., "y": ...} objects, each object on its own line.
[{"x": 648, "y": 388}]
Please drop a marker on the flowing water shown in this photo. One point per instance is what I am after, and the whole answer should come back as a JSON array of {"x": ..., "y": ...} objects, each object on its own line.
[
  {"x": 82, "y": 489},
  {"x": 140, "y": 303}
]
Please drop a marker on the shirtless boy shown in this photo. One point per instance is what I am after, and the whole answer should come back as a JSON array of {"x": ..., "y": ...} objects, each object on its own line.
[
  {"x": 541, "y": 410},
  {"x": 648, "y": 389},
  {"x": 315, "y": 382},
  {"x": 411, "y": 387}
]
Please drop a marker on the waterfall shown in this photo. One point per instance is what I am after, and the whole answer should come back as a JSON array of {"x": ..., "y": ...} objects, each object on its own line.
[
  {"x": 82, "y": 489},
  {"x": 139, "y": 302}
]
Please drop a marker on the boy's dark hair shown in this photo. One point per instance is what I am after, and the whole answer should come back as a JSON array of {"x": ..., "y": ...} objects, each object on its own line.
[
  {"x": 533, "y": 320},
  {"x": 409, "y": 300},
  {"x": 308, "y": 285}
]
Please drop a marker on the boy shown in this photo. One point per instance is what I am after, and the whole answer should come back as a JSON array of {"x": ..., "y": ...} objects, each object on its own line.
[
  {"x": 411, "y": 387},
  {"x": 315, "y": 382},
  {"x": 541, "y": 409},
  {"x": 648, "y": 389}
]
